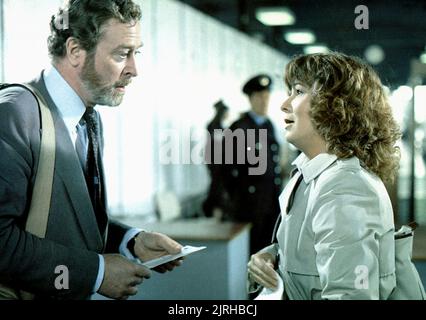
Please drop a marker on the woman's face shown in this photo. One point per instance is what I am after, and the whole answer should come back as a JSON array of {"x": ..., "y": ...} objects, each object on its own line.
[{"x": 298, "y": 124}]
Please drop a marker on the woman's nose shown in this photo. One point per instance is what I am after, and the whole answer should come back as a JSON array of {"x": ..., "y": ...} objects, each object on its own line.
[{"x": 286, "y": 106}]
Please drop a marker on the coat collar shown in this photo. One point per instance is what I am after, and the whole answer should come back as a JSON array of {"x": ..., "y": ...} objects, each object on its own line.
[
  {"x": 312, "y": 168},
  {"x": 68, "y": 102}
]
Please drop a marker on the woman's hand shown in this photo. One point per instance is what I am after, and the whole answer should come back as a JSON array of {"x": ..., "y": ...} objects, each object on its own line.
[{"x": 261, "y": 270}]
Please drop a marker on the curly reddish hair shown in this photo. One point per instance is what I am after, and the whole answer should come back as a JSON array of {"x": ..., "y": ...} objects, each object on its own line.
[{"x": 349, "y": 109}]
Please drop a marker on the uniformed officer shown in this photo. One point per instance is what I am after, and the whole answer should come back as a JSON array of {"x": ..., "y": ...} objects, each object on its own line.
[
  {"x": 216, "y": 201},
  {"x": 254, "y": 197}
]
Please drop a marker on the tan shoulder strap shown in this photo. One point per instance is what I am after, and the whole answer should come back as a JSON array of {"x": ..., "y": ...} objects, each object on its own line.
[{"x": 42, "y": 191}]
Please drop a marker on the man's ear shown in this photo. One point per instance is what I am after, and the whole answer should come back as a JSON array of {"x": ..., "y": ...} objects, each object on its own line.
[{"x": 74, "y": 52}]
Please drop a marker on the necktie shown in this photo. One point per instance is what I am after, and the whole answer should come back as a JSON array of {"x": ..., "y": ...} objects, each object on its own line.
[
  {"x": 81, "y": 144},
  {"x": 92, "y": 164},
  {"x": 289, "y": 203}
]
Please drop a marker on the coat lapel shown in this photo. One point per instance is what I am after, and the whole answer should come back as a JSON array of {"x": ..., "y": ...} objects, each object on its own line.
[{"x": 68, "y": 168}]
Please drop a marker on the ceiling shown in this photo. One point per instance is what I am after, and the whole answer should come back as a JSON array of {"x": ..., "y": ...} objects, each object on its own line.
[{"x": 398, "y": 26}]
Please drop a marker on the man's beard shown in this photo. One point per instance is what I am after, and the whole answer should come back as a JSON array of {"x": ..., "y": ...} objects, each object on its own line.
[{"x": 101, "y": 94}]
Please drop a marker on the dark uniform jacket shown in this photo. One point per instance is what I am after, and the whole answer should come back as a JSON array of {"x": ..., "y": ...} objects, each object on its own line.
[
  {"x": 254, "y": 198},
  {"x": 216, "y": 196}
]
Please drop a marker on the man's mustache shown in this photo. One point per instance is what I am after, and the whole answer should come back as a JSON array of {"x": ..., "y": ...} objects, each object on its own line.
[{"x": 123, "y": 83}]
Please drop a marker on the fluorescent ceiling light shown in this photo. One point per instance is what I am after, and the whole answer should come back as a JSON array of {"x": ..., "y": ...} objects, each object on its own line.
[
  {"x": 300, "y": 37},
  {"x": 319, "y": 48},
  {"x": 275, "y": 16}
]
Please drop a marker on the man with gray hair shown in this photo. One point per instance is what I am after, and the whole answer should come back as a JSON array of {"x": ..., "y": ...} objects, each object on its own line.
[{"x": 92, "y": 53}]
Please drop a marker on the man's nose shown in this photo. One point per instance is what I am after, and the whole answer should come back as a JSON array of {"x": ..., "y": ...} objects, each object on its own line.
[{"x": 131, "y": 68}]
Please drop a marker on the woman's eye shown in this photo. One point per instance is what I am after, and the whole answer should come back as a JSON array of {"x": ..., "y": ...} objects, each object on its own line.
[{"x": 297, "y": 92}]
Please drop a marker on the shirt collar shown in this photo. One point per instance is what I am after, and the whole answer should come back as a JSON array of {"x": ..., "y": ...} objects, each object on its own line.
[
  {"x": 70, "y": 105},
  {"x": 257, "y": 118},
  {"x": 311, "y": 169}
]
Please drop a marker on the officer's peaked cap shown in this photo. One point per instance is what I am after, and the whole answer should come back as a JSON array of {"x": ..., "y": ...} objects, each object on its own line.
[{"x": 258, "y": 83}]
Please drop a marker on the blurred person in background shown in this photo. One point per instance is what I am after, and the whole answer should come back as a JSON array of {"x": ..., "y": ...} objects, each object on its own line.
[{"x": 216, "y": 202}]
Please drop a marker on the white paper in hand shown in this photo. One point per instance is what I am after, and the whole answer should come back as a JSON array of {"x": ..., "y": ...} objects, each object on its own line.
[
  {"x": 271, "y": 294},
  {"x": 170, "y": 257}
]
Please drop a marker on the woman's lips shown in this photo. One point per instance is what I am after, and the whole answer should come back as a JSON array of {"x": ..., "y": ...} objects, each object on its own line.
[{"x": 287, "y": 123}]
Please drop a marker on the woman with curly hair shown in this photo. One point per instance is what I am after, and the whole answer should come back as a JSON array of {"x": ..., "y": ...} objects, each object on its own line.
[{"x": 335, "y": 236}]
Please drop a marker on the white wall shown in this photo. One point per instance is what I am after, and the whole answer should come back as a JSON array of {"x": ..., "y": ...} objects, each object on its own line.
[{"x": 188, "y": 62}]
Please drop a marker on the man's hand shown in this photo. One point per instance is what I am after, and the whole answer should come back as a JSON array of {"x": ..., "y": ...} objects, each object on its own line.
[
  {"x": 121, "y": 277},
  {"x": 261, "y": 269},
  {"x": 151, "y": 245}
]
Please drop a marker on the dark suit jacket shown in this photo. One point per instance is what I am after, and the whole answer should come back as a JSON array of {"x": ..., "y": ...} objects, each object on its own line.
[{"x": 73, "y": 238}]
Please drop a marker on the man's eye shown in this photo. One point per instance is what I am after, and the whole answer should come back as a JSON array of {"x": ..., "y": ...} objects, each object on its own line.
[
  {"x": 122, "y": 55},
  {"x": 298, "y": 91}
]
